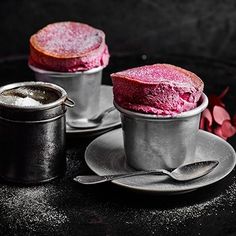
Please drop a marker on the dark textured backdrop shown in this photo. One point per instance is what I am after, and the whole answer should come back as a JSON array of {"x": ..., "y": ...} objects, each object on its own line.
[{"x": 202, "y": 28}]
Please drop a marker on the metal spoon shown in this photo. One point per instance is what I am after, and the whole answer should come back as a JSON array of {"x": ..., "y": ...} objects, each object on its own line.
[
  {"x": 183, "y": 173},
  {"x": 90, "y": 123}
]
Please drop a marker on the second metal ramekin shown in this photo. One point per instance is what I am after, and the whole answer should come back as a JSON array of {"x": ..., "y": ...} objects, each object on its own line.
[{"x": 153, "y": 142}]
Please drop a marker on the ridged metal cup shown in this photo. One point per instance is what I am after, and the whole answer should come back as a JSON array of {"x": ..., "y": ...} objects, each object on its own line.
[
  {"x": 82, "y": 87},
  {"x": 153, "y": 142},
  {"x": 32, "y": 138}
]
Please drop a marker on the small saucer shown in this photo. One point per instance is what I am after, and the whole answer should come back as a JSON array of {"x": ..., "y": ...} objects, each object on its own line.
[
  {"x": 105, "y": 155},
  {"x": 110, "y": 121}
]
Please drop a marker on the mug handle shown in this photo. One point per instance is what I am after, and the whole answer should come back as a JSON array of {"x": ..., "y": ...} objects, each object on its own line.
[{"x": 69, "y": 102}]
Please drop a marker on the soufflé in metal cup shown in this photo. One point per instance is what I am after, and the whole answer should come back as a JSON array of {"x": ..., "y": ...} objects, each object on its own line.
[
  {"x": 71, "y": 55},
  {"x": 32, "y": 132},
  {"x": 160, "y": 107}
]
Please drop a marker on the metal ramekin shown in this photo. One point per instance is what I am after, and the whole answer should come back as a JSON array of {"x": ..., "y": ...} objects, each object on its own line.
[
  {"x": 154, "y": 142},
  {"x": 83, "y": 88}
]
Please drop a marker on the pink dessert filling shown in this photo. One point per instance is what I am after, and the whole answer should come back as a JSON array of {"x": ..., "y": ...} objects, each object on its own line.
[
  {"x": 159, "y": 89},
  {"x": 68, "y": 47}
]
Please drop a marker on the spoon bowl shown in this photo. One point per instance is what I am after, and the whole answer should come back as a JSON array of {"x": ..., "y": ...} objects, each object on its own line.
[
  {"x": 182, "y": 173},
  {"x": 193, "y": 170},
  {"x": 90, "y": 123}
]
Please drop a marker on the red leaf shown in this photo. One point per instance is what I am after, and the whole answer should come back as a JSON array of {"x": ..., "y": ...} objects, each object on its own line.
[
  {"x": 220, "y": 115},
  {"x": 228, "y": 129}
]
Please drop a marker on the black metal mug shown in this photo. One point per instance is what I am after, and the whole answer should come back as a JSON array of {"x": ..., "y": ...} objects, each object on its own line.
[{"x": 32, "y": 139}]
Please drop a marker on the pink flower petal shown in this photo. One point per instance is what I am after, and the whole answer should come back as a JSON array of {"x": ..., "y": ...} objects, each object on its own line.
[
  {"x": 218, "y": 132},
  {"x": 207, "y": 115},
  {"x": 206, "y": 120},
  {"x": 209, "y": 128},
  {"x": 202, "y": 123},
  {"x": 220, "y": 115},
  {"x": 227, "y": 129}
]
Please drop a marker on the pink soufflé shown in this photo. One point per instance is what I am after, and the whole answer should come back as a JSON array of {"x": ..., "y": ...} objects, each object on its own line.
[
  {"x": 160, "y": 89},
  {"x": 68, "y": 47}
]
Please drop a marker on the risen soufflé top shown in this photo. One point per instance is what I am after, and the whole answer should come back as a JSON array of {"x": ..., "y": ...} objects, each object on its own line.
[
  {"x": 160, "y": 89},
  {"x": 68, "y": 47}
]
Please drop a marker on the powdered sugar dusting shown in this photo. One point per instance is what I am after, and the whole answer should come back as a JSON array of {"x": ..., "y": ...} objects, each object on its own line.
[
  {"x": 176, "y": 216},
  {"x": 33, "y": 206},
  {"x": 26, "y": 102},
  {"x": 177, "y": 219},
  {"x": 69, "y": 38},
  {"x": 19, "y": 101},
  {"x": 160, "y": 73},
  {"x": 68, "y": 47}
]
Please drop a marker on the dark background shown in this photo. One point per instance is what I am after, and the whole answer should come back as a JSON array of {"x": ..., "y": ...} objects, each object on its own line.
[{"x": 201, "y": 28}]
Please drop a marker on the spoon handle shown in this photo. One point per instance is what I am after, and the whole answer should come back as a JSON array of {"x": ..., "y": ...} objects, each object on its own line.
[
  {"x": 96, "y": 179},
  {"x": 104, "y": 113}
]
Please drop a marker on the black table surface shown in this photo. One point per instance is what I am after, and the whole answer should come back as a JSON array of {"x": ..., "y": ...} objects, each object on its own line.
[{"x": 63, "y": 207}]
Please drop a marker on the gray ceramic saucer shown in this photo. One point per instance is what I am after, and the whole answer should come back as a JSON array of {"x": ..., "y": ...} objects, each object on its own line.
[
  {"x": 112, "y": 120},
  {"x": 105, "y": 155}
]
